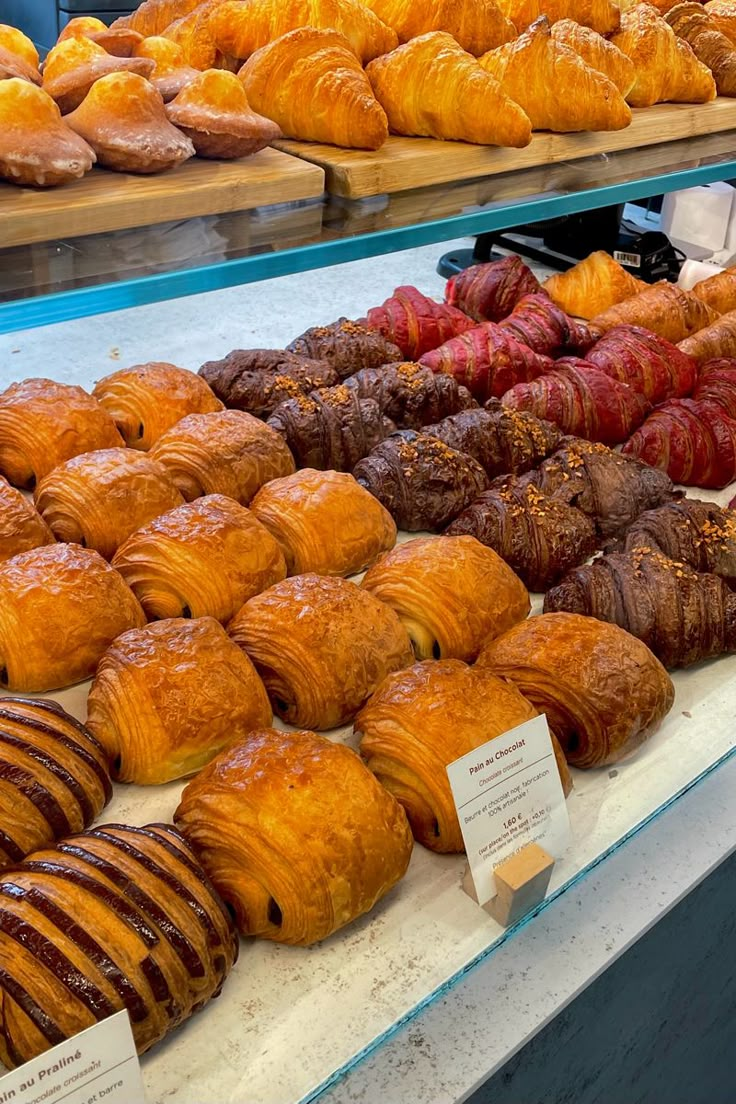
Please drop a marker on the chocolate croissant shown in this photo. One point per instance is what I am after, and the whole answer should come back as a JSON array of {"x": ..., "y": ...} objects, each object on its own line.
[
  {"x": 257, "y": 380},
  {"x": 43, "y": 423},
  {"x": 419, "y": 721},
  {"x": 297, "y": 835},
  {"x": 538, "y": 323},
  {"x": 54, "y": 776},
  {"x": 60, "y": 607},
  {"x": 488, "y": 361},
  {"x": 347, "y": 346},
  {"x": 539, "y": 537},
  {"x": 682, "y": 617},
  {"x": 203, "y": 559},
  {"x": 324, "y": 522},
  {"x": 422, "y": 482},
  {"x": 99, "y": 498},
  {"x": 451, "y": 593},
  {"x": 331, "y": 429},
  {"x": 501, "y": 440},
  {"x": 321, "y": 646},
  {"x": 693, "y": 440},
  {"x": 646, "y": 362},
  {"x": 21, "y": 526},
  {"x": 700, "y": 534},
  {"x": 147, "y": 399},
  {"x": 602, "y": 690},
  {"x": 489, "y": 292},
  {"x": 114, "y": 918},
  {"x": 227, "y": 453},
  {"x": 411, "y": 395},
  {"x": 416, "y": 323},
  {"x": 168, "y": 698}
]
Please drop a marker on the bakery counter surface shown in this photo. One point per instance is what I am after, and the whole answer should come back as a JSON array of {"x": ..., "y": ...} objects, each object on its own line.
[{"x": 73, "y": 277}]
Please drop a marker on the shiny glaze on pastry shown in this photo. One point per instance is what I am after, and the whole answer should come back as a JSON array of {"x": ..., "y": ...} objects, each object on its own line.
[
  {"x": 489, "y": 292},
  {"x": 148, "y": 399},
  {"x": 21, "y": 526},
  {"x": 414, "y": 322},
  {"x": 451, "y": 593},
  {"x": 171, "y": 73},
  {"x": 717, "y": 339},
  {"x": 663, "y": 308},
  {"x": 718, "y": 291},
  {"x": 501, "y": 440},
  {"x": 118, "y": 41},
  {"x": 693, "y": 440},
  {"x": 43, "y": 423},
  {"x": 53, "y": 776},
  {"x": 99, "y": 498},
  {"x": 488, "y": 361},
  {"x": 597, "y": 52},
  {"x": 702, "y": 534},
  {"x": 203, "y": 559},
  {"x": 666, "y": 67},
  {"x": 227, "y": 452},
  {"x": 419, "y": 721},
  {"x": 13, "y": 40},
  {"x": 347, "y": 346},
  {"x": 477, "y": 25},
  {"x": 257, "y": 380},
  {"x": 297, "y": 835},
  {"x": 213, "y": 111},
  {"x": 168, "y": 698},
  {"x": 114, "y": 918},
  {"x": 602, "y": 690},
  {"x": 602, "y": 15},
  {"x": 596, "y": 283},
  {"x": 537, "y": 322},
  {"x": 60, "y": 607},
  {"x": 692, "y": 24},
  {"x": 324, "y": 522},
  {"x": 330, "y": 429},
  {"x": 154, "y": 16},
  {"x": 411, "y": 394},
  {"x": 321, "y": 646},
  {"x": 646, "y": 362},
  {"x": 74, "y": 65}
]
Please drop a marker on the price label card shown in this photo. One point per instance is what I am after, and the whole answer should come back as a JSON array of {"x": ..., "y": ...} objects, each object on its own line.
[
  {"x": 507, "y": 794},
  {"x": 98, "y": 1066}
]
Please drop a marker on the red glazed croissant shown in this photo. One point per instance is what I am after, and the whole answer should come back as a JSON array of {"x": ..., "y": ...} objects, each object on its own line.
[
  {"x": 649, "y": 364},
  {"x": 489, "y": 292},
  {"x": 488, "y": 361},
  {"x": 538, "y": 323},
  {"x": 717, "y": 383},
  {"x": 693, "y": 440},
  {"x": 416, "y": 323}
]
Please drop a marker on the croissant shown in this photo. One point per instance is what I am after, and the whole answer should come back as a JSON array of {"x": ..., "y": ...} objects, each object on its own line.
[
  {"x": 213, "y": 111},
  {"x": 431, "y": 87},
  {"x": 154, "y": 16},
  {"x": 43, "y": 423},
  {"x": 60, "y": 607},
  {"x": 312, "y": 85},
  {"x": 114, "y": 918},
  {"x": 347, "y": 346},
  {"x": 227, "y": 452},
  {"x": 583, "y": 401},
  {"x": 21, "y": 526},
  {"x": 296, "y": 833},
  {"x": 171, "y": 73},
  {"x": 602, "y": 690},
  {"x": 601, "y": 15},
  {"x": 451, "y": 593},
  {"x": 718, "y": 291},
  {"x": 421, "y": 720},
  {"x": 421, "y": 481},
  {"x": 332, "y": 429},
  {"x": 321, "y": 646},
  {"x": 681, "y": 616},
  {"x": 663, "y": 308},
  {"x": 592, "y": 285},
  {"x": 717, "y": 383},
  {"x": 203, "y": 559},
  {"x": 72, "y": 67},
  {"x": 709, "y": 44},
  {"x": 55, "y": 778},
  {"x": 554, "y": 86},
  {"x": 666, "y": 67},
  {"x": 649, "y": 364},
  {"x": 487, "y": 360},
  {"x": 717, "y": 339},
  {"x": 193, "y": 34},
  {"x": 36, "y": 147},
  {"x": 477, "y": 25},
  {"x": 597, "y": 52},
  {"x": 723, "y": 16},
  {"x": 257, "y": 380},
  {"x": 610, "y": 488},
  {"x": 538, "y": 323},
  {"x": 411, "y": 394},
  {"x": 693, "y": 440},
  {"x": 118, "y": 41},
  {"x": 241, "y": 28},
  {"x": 168, "y": 698},
  {"x": 539, "y": 537},
  {"x": 700, "y": 534},
  {"x": 324, "y": 522},
  {"x": 415, "y": 323},
  {"x": 148, "y": 399},
  {"x": 124, "y": 121},
  {"x": 489, "y": 292},
  {"x": 500, "y": 440}
]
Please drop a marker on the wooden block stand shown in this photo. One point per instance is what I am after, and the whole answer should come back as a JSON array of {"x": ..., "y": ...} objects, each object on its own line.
[{"x": 521, "y": 884}]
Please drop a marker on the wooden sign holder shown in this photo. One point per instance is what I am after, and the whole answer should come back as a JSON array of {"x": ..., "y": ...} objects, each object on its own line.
[{"x": 521, "y": 884}]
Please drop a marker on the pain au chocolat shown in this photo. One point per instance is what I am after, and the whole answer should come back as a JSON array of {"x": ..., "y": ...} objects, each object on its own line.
[{"x": 21, "y": 525}]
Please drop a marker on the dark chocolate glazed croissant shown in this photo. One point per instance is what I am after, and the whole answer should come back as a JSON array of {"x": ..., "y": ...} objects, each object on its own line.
[
  {"x": 502, "y": 441},
  {"x": 331, "y": 429},
  {"x": 257, "y": 380},
  {"x": 410, "y": 394},
  {"x": 347, "y": 346},
  {"x": 701, "y": 534}
]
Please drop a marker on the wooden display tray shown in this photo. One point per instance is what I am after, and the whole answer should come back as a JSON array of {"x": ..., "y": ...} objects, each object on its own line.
[
  {"x": 404, "y": 163},
  {"x": 103, "y": 201}
]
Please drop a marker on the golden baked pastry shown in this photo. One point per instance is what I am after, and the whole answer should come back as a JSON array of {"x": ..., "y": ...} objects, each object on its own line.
[
  {"x": 666, "y": 67},
  {"x": 203, "y": 559},
  {"x": 148, "y": 399},
  {"x": 154, "y": 16},
  {"x": 213, "y": 111},
  {"x": 192, "y": 32},
  {"x": 592, "y": 286},
  {"x": 168, "y": 698},
  {"x": 597, "y": 52},
  {"x": 718, "y": 291},
  {"x": 43, "y": 423},
  {"x": 13, "y": 66},
  {"x": 321, "y": 646},
  {"x": 553, "y": 84},
  {"x": 60, "y": 607},
  {"x": 118, "y": 41},
  {"x": 313, "y": 86},
  {"x": 476, "y": 25},
  {"x": 723, "y": 14},
  {"x": 601, "y": 15},
  {"x": 708, "y": 42},
  {"x": 227, "y": 452},
  {"x": 298, "y": 837},
  {"x": 431, "y": 87},
  {"x": 420, "y": 720},
  {"x": 73, "y": 66},
  {"x": 171, "y": 73},
  {"x": 663, "y": 308},
  {"x": 602, "y": 690},
  {"x": 124, "y": 120},
  {"x": 36, "y": 146},
  {"x": 18, "y": 55},
  {"x": 114, "y": 918},
  {"x": 54, "y": 780},
  {"x": 21, "y": 525},
  {"x": 99, "y": 498},
  {"x": 324, "y": 522},
  {"x": 451, "y": 593}
]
